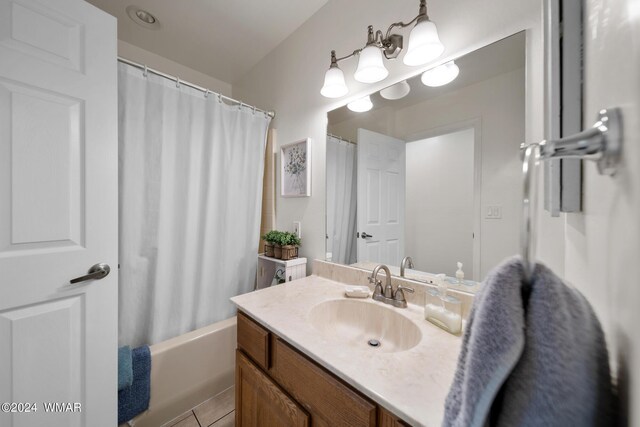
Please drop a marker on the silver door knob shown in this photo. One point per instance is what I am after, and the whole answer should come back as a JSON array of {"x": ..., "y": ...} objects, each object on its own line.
[
  {"x": 96, "y": 272},
  {"x": 365, "y": 235}
]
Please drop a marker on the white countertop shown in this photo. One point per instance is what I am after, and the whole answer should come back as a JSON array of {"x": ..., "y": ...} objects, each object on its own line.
[{"x": 411, "y": 384}]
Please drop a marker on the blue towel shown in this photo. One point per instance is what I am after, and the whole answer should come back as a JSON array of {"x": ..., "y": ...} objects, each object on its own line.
[
  {"x": 134, "y": 399},
  {"x": 532, "y": 355},
  {"x": 125, "y": 370}
]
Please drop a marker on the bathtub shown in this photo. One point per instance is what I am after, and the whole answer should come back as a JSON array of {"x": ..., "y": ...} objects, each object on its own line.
[{"x": 189, "y": 369}]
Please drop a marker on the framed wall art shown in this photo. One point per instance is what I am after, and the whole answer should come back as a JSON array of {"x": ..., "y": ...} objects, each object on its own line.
[{"x": 295, "y": 169}]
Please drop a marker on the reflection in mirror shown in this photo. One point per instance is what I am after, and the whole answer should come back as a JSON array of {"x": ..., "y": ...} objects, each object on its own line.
[{"x": 432, "y": 171}]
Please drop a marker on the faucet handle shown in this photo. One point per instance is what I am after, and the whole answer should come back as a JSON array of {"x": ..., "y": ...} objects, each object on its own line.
[
  {"x": 377, "y": 290},
  {"x": 404, "y": 288},
  {"x": 398, "y": 297}
]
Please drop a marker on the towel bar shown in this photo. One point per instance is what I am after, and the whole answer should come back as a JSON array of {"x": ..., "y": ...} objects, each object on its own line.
[{"x": 601, "y": 143}]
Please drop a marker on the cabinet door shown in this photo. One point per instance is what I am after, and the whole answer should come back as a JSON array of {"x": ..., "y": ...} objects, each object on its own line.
[
  {"x": 253, "y": 339},
  {"x": 329, "y": 401},
  {"x": 387, "y": 419},
  {"x": 260, "y": 402}
]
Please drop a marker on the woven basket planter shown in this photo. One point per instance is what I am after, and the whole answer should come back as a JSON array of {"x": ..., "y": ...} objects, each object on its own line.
[
  {"x": 268, "y": 249},
  {"x": 289, "y": 252},
  {"x": 277, "y": 251}
]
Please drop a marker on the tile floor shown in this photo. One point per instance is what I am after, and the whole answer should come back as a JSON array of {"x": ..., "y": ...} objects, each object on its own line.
[{"x": 219, "y": 411}]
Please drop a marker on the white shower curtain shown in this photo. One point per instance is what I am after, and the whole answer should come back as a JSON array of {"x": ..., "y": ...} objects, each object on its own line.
[
  {"x": 341, "y": 200},
  {"x": 190, "y": 191}
]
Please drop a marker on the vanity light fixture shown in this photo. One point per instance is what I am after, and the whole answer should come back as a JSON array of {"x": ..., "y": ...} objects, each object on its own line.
[
  {"x": 424, "y": 46},
  {"x": 361, "y": 105},
  {"x": 440, "y": 75},
  {"x": 396, "y": 91},
  {"x": 334, "y": 84},
  {"x": 370, "y": 69},
  {"x": 424, "y": 43}
]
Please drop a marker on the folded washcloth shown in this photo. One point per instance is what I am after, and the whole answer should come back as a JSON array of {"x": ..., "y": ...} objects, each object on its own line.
[
  {"x": 134, "y": 399},
  {"x": 125, "y": 371},
  {"x": 532, "y": 355}
]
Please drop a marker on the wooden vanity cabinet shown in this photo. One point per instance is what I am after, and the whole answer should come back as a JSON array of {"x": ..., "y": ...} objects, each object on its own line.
[
  {"x": 260, "y": 402},
  {"x": 387, "y": 419},
  {"x": 278, "y": 386}
]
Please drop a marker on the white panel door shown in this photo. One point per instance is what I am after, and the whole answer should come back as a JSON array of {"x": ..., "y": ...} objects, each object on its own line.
[
  {"x": 58, "y": 212},
  {"x": 381, "y": 198}
]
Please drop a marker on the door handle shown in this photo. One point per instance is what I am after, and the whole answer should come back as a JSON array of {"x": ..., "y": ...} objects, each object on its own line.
[
  {"x": 96, "y": 272},
  {"x": 365, "y": 235}
]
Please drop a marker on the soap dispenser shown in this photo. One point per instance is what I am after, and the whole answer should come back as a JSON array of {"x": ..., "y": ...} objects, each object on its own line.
[
  {"x": 444, "y": 311},
  {"x": 460, "y": 273},
  {"x": 441, "y": 283}
]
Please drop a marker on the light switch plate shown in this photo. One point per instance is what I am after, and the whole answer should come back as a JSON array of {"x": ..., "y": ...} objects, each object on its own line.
[
  {"x": 297, "y": 228},
  {"x": 493, "y": 212}
]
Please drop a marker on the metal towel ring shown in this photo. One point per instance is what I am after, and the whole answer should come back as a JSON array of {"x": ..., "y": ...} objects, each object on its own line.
[
  {"x": 601, "y": 143},
  {"x": 529, "y": 209}
]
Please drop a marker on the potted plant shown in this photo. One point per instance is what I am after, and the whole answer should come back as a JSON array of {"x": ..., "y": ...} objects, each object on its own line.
[
  {"x": 270, "y": 238},
  {"x": 277, "y": 244},
  {"x": 290, "y": 243}
]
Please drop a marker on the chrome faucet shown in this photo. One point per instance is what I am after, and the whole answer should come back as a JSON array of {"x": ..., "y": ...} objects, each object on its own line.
[
  {"x": 388, "y": 296},
  {"x": 377, "y": 291},
  {"x": 406, "y": 261}
]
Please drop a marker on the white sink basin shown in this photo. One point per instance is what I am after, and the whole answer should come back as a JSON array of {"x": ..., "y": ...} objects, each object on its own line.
[{"x": 356, "y": 323}]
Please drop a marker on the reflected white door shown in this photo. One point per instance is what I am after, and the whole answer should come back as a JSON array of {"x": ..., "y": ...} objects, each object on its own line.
[
  {"x": 381, "y": 198},
  {"x": 58, "y": 211}
]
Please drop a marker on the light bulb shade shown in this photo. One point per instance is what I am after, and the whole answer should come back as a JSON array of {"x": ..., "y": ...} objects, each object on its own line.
[
  {"x": 440, "y": 75},
  {"x": 370, "y": 67},
  {"x": 424, "y": 44},
  {"x": 334, "y": 84},
  {"x": 396, "y": 91},
  {"x": 361, "y": 105}
]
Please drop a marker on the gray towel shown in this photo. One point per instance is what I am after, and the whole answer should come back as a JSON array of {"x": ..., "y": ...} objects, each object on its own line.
[{"x": 531, "y": 356}]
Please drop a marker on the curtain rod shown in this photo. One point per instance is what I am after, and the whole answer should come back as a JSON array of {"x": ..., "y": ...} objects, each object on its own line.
[
  {"x": 206, "y": 91},
  {"x": 341, "y": 138}
]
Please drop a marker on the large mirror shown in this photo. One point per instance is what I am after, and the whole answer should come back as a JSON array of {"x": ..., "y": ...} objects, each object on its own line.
[{"x": 431, "y": 172}]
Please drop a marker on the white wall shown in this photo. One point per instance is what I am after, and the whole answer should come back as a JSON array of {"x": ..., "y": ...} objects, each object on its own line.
[
  {"x": 288, "y": 80},
  {"x": 440, "y": 203},
  {"x": 160, "y": 63},
  {"x": 603, "y": 243}
]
